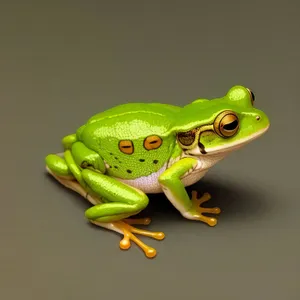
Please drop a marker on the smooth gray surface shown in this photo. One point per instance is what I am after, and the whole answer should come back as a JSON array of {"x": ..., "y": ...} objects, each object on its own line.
[{"x": 63, "y": 61}]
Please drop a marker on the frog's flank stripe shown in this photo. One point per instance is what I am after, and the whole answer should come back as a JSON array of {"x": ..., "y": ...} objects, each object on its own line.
[{"x": 202, "y": 148}]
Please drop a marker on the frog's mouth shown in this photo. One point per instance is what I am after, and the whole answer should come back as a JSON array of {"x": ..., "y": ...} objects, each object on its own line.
[{"x": 202, "y": 150}]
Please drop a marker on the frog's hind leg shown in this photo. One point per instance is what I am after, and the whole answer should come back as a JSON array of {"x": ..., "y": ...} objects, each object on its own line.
[
  {"x": 56, "y": 165},
  {"x": 58, "y": 168},
  {"x": 123, "y": 202}
]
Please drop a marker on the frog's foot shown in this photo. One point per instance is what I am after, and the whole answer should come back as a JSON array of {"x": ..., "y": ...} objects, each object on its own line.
[
  {"x": 124, "y": 228},
  {"x": 196, "y": 212}
]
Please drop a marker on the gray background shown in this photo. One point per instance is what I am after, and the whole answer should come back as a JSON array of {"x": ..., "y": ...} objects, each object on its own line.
[{"x": 63, "y": 61}]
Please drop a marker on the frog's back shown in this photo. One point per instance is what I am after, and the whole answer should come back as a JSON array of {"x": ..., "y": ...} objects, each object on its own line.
[
  {"x": 134, "y": 110},
  {"x": 135, "y": 120},
  {"x": 134, "y": 139}
]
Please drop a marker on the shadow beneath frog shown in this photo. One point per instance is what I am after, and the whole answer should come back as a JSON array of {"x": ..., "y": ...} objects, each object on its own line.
[
  {"x": 80, "y": 202},
  {"x": 237, "y": 203}
]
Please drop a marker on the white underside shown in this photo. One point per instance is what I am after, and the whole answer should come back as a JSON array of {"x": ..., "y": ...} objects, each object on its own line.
[{"x": 150, "y": 184}]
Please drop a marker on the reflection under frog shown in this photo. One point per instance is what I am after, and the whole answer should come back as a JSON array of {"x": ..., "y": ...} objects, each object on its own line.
[{"x": 131, "y": 150}]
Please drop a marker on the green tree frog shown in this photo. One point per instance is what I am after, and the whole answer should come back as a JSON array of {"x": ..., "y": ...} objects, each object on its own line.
[{"x": 126, "y": 152}]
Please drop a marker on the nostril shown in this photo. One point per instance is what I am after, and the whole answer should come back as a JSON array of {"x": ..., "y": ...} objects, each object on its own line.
[{"x": 257, "y": 118}]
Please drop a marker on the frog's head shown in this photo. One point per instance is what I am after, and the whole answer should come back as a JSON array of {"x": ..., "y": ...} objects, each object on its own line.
[{"x": 221, "y": 125}]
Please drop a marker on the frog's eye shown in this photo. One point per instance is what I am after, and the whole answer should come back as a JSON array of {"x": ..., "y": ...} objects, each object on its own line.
[
  {"x": 126, "y": 147},
  {"x": 152, "y": 142},
  {"x": 186, "y": 138},
  {"x": 252, "y": 96},
  {"x": 226, "y": 124}
]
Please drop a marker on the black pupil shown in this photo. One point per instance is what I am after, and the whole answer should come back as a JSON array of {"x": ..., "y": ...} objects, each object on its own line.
[
  {"x": 231, "y": 126},
  {"x": 253, "y": 97}
]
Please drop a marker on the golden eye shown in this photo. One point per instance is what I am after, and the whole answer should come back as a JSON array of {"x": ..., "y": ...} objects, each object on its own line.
[
  {"x": 226, "y": 124},
  {"x": 186, "y": 138},
  {"x": 152, "y": 142},
  {"x": 252, "y": 96},
  {"x": 126, "y": 147}
]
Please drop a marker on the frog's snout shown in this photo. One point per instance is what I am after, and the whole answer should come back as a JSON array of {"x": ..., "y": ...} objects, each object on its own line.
[{"x": 262, "y": 120}]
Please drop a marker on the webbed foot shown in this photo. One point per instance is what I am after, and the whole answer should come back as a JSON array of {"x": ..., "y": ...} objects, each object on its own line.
[
  {"x": 124, "y": 227},
  {"x": 196, "y": 212}
]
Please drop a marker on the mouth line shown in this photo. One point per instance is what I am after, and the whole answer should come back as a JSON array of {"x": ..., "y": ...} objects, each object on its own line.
[
  {"x": 220, "y": 149},
  {"x": 237, "y": 144}
]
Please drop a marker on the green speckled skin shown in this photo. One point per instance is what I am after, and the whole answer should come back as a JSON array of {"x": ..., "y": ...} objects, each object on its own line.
[
  {"x": 112, "y": 154},
  {"x": 133, "y": 121}
]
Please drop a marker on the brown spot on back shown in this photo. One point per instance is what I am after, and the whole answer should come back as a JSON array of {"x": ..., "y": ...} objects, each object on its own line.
[
  {"x": 126, "y": 146},
  {"x": 152, "y": 142}
]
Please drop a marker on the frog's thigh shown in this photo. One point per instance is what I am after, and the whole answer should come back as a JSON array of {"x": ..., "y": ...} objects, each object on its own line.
[{"x": 122, "y": 200}]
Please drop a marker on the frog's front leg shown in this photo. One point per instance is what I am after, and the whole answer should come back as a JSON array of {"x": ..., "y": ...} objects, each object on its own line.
[
  {"x": 123, "y": 201},
  {"x": 175, "y": 191}
]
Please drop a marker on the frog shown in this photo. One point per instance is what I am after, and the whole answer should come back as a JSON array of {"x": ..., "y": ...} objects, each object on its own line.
[{"x": 122, "y": 155}]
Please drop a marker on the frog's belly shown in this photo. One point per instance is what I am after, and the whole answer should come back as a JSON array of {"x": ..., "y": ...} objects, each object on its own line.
[{"x": 150, "y": 184}]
